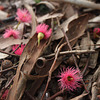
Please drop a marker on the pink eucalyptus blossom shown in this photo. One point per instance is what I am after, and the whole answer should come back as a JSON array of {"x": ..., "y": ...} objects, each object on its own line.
[
  {"x": 19, "y": 50},
  {"x": 96, "y": 32},
  {"x": 43, "y": 32},
  {"x": 23, "y": 16},
  {"x": 4, "y": 95},
  {"x": 11, "y": 32},
  {"x": 69, "y": 79},
  {"x": 43, "y": 28}
]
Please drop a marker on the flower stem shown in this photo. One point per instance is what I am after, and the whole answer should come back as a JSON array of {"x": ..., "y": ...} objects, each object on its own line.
[
  {"x": 17, "y": 25},
  {"x": 40, "y": 37},
  {"x": 39, "y": 42}
]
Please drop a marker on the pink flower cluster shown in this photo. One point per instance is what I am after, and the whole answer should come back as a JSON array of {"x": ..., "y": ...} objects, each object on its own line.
[
  {"x": 19, "y": 50},
  {"x": 96, "y": 32},
  {"x": 69, "y": 79},
  {"x": 23, "y": 16},
  {"x": 43, "y": 28},
  {"x": 43, "y": 32},
  {"x": 11, "y": 32}
]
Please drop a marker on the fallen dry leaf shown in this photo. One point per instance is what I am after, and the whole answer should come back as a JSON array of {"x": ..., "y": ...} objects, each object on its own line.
[
  {"x": 64, "y": 25},
  {"x": 48, "y": 4},
  {"x": 80, "y": 97},
  {"x": 69, "y": 10},
  {"x": 94, "y": 91},
  {"x": 26, "y": 64},
  {"x": 77, "y": 27},
  {"x": 4, "y": 43},
  {"x": 49, "y": 16},
  {"x": 2, "y": 55},
  {"x": 86, "y": 44},
  {"x": 3, "y": 15},
  {"x": 93, "y": 60}
]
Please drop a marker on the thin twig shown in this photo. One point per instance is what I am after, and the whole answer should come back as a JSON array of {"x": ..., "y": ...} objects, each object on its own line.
[
  {"x": 51, "y": 70},
  {"x": 55, "y": 95},
  {"x": 58, "y": 45},
  {"x": 27, "y": 93},
  {"x": 8, "y": 53},
  {"x": 17, "y": 48},
  {"x": 86, "y": 66},
  {"x": 2, "y": 92},
  {"x": 87, "y": 45},
  {"x": 71, "y": 52},
  {"x": 9, "y": 82},
  {"x": 4, "y": 89},
  {"x": 8, "y": 69}
]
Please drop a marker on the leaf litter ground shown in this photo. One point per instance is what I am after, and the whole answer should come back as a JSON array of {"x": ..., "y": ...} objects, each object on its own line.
[{"x": 74, "y": 42}]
